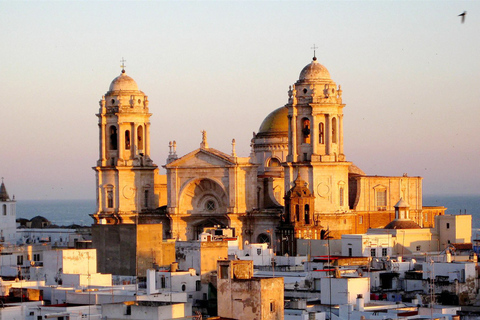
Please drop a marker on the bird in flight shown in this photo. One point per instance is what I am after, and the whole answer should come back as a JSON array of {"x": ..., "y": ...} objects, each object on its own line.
[{"x": 463, "y": 14}]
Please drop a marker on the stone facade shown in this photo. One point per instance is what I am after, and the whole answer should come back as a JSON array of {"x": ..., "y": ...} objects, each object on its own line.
[{"x": 242, "y": 296}]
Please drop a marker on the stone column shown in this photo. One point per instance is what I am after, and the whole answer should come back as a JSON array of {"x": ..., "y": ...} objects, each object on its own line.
[
  {"x": 103, "y": 141},
  {"x": 146, "y": 138},
  {"x": 121, "y": 140},
  {"x": 133, "y": 141},
  {"x": 340, "y": 133},
  {"x": 294, "y": 138},
  {"x": 328, "y": 135},
  {"x": 314, "y": 134}
]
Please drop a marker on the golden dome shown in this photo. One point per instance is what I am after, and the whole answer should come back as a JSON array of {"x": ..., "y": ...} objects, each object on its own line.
[
  {"x": 276, "y": 123},
  {"x": 314, "y": 71},
  {"x": 123, "y": 83}
]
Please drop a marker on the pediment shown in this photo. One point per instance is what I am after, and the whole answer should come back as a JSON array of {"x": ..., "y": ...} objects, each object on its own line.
[{"x": 202, "y": 158}]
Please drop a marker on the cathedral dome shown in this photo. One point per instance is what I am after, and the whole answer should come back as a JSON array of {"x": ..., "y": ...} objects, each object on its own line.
[
  {"x": 402, "y": 224},
  {"x": 123, "y": 83},
  {"x": 276, "y": 123},
  {"x": 314, "y": 71}
]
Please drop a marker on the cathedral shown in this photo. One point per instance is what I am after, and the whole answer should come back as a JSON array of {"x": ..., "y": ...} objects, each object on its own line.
[{"x": 296, "y": 183}]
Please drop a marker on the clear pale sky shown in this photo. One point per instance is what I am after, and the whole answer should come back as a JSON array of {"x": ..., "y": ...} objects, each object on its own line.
[{"x": 410, "y": 74}]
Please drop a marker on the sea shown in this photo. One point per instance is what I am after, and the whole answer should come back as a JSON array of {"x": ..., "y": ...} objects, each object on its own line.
[{"x": 68, "y": 212}]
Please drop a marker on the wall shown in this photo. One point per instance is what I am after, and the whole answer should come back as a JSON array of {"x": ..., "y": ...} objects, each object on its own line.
[{"x": 118, "y": 245}]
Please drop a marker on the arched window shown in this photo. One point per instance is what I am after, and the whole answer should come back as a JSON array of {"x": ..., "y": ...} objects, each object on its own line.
[
  {"x": 127, "y": 139},
  {"x": 321, "y": 133},
  {"x": 306, "y": 130},
  {"x": 274, "y": 162},
  {"x": 263, "y": 238},
  {"x": 145, "y": 199},
  {"x": 341, "y": 196},
  {"x": 334, "y": 130},
  {"x": 307, "y": 214},
  {"x": 140, "y": 138},
  {"x": 113, "y": 138},
  {"x": 297, "y": 212},
  {"x": 109, "y": 197}
]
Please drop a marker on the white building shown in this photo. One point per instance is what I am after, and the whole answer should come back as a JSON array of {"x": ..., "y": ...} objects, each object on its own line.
[
  {"x": 145, "y": 310},
  {"x": 177, "y": 281},
  {"x": 367, "y": 245},
  {"x": 7, "y": 216},
  {"x": 19, "y": 260},
  {"x": 73, "y": 267},
  {"x": 344, "y": 290}
]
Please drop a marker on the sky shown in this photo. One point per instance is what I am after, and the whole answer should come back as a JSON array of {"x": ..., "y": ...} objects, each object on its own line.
[{"x": 409, "y": 71}]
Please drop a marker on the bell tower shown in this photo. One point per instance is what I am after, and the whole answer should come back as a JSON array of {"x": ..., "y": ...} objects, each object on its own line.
[
  {"x": 124, "y": 172},
  {"x": 315, "y": 139}
]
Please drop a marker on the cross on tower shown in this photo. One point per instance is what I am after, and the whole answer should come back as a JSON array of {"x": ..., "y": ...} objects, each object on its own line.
[
  {"x": 123, "y": 64},
  {"x": 314, "y": 48}
]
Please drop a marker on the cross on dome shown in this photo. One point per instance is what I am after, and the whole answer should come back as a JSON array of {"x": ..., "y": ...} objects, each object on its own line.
[
  {"x": 314, "y": 48},
  {"x": 123, "y": 64}
]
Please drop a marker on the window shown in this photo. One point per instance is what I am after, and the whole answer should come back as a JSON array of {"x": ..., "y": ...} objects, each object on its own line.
[
  {"x": 272, "y": 306},
  {"x": 334, "y": 130},
  {"x": 381, "y": 200},
  {"x": 198, "y": 285},
  {"x": 274, "y": 162},
  {"x": 36, "y": 257},
  {"x": 109, "y": 198},
  {"x": 360, "y": 220},
  {"x": 373, "y": 252},
  {"x": 19, "y": 260},
  {"x": 384, "y": 252},
  {"x": 210, "y": 205},
  {"x": 448, "y": 225},
  {"x": 140, "y": 138},
  {"x": 341, "y": 197},
  {"x": 145, "y": 204},
  {"x": 113, "y": 138},
  {"x": 127, "y": 139},
  {"x": 419, "y": 248},
  {"x": 163, "y": 282},
  {"x": 350, "y": 253},
  {"x": 307, "y": 214},
  {"x": 184, "y": 287},
  {"x": 305, "y": 130},
  {"x": 297, "y": 212},
  {"x": 263, "y": 238},
  {"x": 224, "y": 272},
  {"x": 4, "y": 209},
  {"x": 128, "y": 311},
  {"x": 321, "y": 133}
]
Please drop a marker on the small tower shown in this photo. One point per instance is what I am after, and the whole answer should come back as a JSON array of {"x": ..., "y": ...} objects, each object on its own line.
[
  {"x": 402, "y": 211},
  {"x": 125, "y": 173},
  {"x": 299, "y": 220},
  {"x": 7, "y": 216}
]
